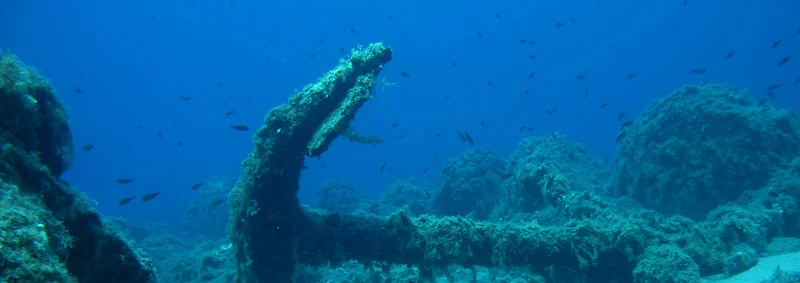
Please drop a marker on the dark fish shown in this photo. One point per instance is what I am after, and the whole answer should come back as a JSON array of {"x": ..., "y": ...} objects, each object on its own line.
[
  {"x": 179, "y": 143},
  {"x": 698, "y": 71},
  {"x": 771, "y": 95},
  {"x": 527, "y": 91},
  {"x": 389, "y": 18},
  {"x": 604, "y": 105},
  {"x": 160, "y": 135},
  {"x": 353, "y": 30},
  {"x": 151, "y": 196},
  {"x": 777, "y": 43},
  {"x": 586, "y": 94},
  {"x": 621, "y": 136},
  {"x": 531, "y": 75},
  {"x": 620, "y": 116},
  {"x": 87, "y": 147},
  {"x": 573, "y": 20},
  {"x": 462, "y": 136},
  {"x": 531, "y": 56},
  {"x": 489, "y": 83},
  {"x": 77, "y": 89},
  {"x": 497, "y": 15},
  {"x": 797, "y": 81},
  {"x": 404, "y": 74},
  {"x": 394, "y": 125},
  {"x": 627, "y": 123},
  {"x": 784, "y": 60},
  {"x": 196, "y": 186},
  {"x": 220, "y": 84},
  {"x": 631, "y": 75},
  {"x": 123, "y": 181},
  {"x": 523, "y": 41},
  {"x": 483, "y": 124},
  {"x": 730, "y": 55},
  {"x": 383, "y": 166},
  {"x": 240, "y": 127},
  {"x": 554, "y": 135},
  {"x": 530, "y": 129},
  {"x": 427, "y": 194},
  {"x": 438, "y": 134},
  {"x": 230, "y": 113},
  {"x": 435, "y": 155},
  {"x": 557, "y": 25},
  {"x": 773, "y": 87},
  {"x": 470, "y": 141},
  {"x": 217, "y": 202},
  {"x": 185, "y": 98},
  {"x": 454, "y": 64},
  {"x": 552, "y": 110},
  {"x": 126, "y": 201},
  {"x": 531, "y": 42},
  {"x": 424, "y": 170},
  {"x": 581, "y": 77},
  {"x": 522, "y": 128},
  {"x": 480, "y": 35},
  {"x": 762, "y": 101},
  {"x": 399, "y": 136}
]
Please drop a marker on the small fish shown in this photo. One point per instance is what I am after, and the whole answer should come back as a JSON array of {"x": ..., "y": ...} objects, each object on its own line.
[
  {"x": 353, "y": 30},
  {"x": 586, "y": 94},
  {"x": 573, "y": 20},
  {"x": 489, "y": 83},
  {"x": 230, "y": 113},
  {"x": 424, "y": 170},
  {"x": 483, "y": 124},
  {"x": 580, "y": 77},
  {"x": 383, "y": 166},
  {"x": 784, "y": 61},
  {"x": 497, "y": 15},
  {"x": 603, "y": 106},
  {"x": 626, "y": 124},
  {"x": 217, "y": 202},
  {"x": 480, "y": 35},
  {"x": 523, "y": 41},
  {"x": 558, "y": 25},
  {"x": 470, "y": 141},
  {"x": 699, "y": 71},
  {"x": 399, "y": 136},
  {"x": 522, "y": 128},
  {"x": 797, "y": 81},
  {"x": 620, "y": 116},
  {"x": 435, "y": 155},
  {"x": 771, "y": 95},
  {"x": 240, "y": 127},
  {"x": 87, "y": 147},
  {"x": 220, "y": 84},
  {"x": 762, "y": 101},
  {"x": 621, "y": 136},
  {"x": 151, "y": 196},
  {"x": 196, "y": 186},
  {"x": 730, "y": 55},
  {"x": 438, "y": 134},
  {"x": 531, "y": 56},
  {"x": 531, "y": 42},
  {"x": 530, "y": 129},
  {"x": 552, "y": 110},
  {"x": 404, "y": 74},
  {"x": 160, "y": 135},
  {"x": 389, "y": 18},
  {"x": 394, "y": 125},
  {"x": 185, "y": 98},
  {"x": 427, "y": 194},
  {"x": 777, "y": 43},
  {"x": 531, "y": 75},
  {"x": 122, "y": 181},
  {"x": 527, "y": 91},
  {"x": 77, "y": 89},
  {"x": 773, "y": 87},
  {"x": 126, "y": 201},
  {"x": 631, "y": 75},
  {"x": 179, "y": 143},
  {"x": 554, "y": 135},
  {"x": 454, "y": 64}
]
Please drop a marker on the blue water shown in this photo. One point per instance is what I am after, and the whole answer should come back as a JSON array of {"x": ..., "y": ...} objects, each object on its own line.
[{"x": 134, "y": 59}]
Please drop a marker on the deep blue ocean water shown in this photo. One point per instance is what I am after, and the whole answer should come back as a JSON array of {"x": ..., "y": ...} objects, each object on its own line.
[{"x": 133, "y": 60}]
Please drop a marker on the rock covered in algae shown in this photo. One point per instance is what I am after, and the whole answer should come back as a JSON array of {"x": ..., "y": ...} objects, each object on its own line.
[
  {"x": 49, "y": 232},
  {"x": 341, "y": 198},
  {"x": 469, "y": 183},
  {"x": 702, "y": 146}
]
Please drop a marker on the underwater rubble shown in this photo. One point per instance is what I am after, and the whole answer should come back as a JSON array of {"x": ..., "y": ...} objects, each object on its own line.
[{"x": 48, "y": 231}]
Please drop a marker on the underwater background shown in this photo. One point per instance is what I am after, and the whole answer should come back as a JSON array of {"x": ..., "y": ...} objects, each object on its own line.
[{"x": 157, "y": 91}]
